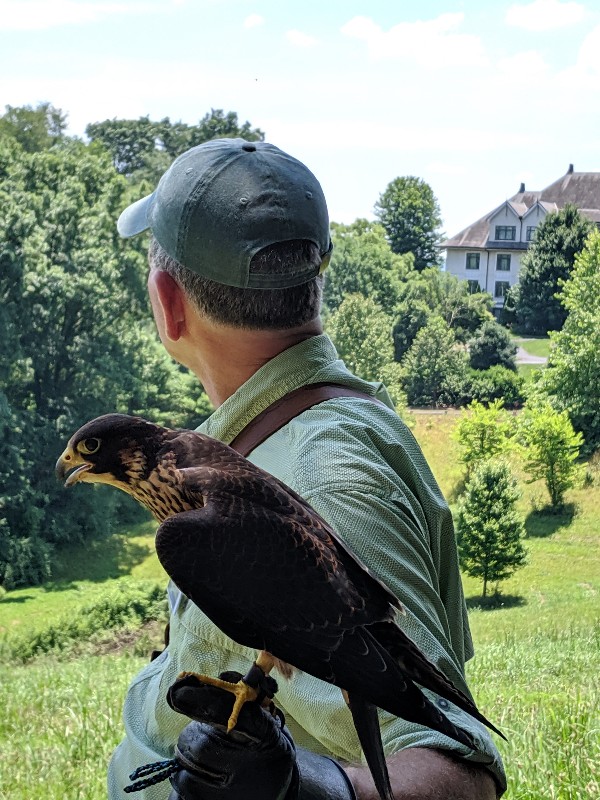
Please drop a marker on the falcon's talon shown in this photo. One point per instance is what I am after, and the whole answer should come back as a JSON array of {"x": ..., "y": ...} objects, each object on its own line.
[{"x": 242, "y": 691}]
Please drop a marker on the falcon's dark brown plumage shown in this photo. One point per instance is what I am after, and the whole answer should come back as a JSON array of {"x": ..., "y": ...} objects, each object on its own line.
[{"x": 269, "y": 571}]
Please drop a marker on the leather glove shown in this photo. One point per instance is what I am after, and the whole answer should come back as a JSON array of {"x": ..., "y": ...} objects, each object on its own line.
[{"x": 256, "y": 761}]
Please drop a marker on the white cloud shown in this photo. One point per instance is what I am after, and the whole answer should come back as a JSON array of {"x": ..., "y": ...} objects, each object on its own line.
[
  {"x": 300, "y": 39},
  {"x": 444, "y": 168},
  {"x": 545, "y": 15},
  {"x": 254, "y": 21},
  {"x": 27, "y": 15},
  {"x": 529, "y": 64},
  {"x": 374, "y": 136},
  {"x": 588, "y": 59},
  {"x": 431, "y": 43}
]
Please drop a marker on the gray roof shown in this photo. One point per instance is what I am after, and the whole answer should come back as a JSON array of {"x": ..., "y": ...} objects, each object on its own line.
[{"x": 580, "y": 188}]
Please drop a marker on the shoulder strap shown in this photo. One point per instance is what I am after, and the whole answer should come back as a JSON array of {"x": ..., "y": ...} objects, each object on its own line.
[{"x": 289, "y": 406}]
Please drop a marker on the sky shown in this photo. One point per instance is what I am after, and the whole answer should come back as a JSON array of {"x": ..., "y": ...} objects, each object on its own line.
[{"x": 473, "y": 97}]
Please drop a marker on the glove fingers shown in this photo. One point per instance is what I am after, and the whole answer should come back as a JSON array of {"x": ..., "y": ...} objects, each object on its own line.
[{"x": 212, "y": 705}]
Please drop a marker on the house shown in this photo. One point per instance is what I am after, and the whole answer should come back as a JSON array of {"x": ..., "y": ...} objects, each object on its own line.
[{"x": 488, "y": 253}]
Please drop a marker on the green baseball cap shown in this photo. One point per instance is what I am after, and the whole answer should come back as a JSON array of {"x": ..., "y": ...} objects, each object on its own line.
[{"x": 221, "y": 202}]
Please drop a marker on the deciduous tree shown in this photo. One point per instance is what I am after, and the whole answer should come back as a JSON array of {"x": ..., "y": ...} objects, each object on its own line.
[
  {"x": 573, "y": 374},
  {"x": 363, "y": 263},
  {"x": 75, "y": 341},
  {"x": 146, "y": 147},
  {"x": 433, "y": 365},
  {"x": 361, "y": 331},
  {"x": 410, "y": 214},
  {"x": 483, "y": 432},
  {"x": 551, "y": 449}
]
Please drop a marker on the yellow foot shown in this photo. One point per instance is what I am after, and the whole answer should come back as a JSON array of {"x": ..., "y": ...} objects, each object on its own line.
[{"x": 242, "y": 691}]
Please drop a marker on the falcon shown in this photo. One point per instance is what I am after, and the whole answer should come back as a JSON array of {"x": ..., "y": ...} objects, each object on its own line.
[{"x": 271, "y": 574}]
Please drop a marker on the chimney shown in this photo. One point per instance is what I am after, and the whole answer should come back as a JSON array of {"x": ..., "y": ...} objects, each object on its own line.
[
  {"x": 570, "y": 170},
  {"x": 521, "y": 188}
]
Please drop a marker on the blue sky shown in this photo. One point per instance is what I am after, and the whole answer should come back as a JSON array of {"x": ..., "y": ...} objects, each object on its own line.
[{"x": 473, "y": 97}]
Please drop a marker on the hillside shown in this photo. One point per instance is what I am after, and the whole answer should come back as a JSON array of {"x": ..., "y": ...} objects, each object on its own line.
[{"x": 534, "y": 673}]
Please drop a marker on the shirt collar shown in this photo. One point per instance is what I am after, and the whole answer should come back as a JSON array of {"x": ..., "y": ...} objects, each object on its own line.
[{"x": 311, "y": 361}]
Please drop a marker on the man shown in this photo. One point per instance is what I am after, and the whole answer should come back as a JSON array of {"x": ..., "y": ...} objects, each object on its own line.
[{"x": 240, "y": 241}]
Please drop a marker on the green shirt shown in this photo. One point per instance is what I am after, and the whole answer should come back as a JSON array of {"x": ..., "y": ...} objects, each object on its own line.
[{"x": 360, "y": 467}]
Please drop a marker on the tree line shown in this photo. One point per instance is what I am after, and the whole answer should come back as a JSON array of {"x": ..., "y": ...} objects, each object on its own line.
[{"x": 77, "y": 338}]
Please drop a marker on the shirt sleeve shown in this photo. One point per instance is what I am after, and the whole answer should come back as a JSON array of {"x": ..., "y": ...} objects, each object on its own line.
[{"x": 389, "y": 538}]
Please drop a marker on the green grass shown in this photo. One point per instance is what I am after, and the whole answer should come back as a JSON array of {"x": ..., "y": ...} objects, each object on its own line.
[
  {"x": 535, "y": 672},
  {"x": 84, "y": 573},
  {"x": 538, "y": 346},
  {"x": 59, "y": 724}
]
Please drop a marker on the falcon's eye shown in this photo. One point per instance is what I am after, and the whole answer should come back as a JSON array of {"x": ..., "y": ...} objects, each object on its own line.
[{"x": 88, "y": 446}]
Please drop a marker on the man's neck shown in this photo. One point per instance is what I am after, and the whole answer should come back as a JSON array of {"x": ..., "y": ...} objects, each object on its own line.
[{"x": 224, "y": 358}]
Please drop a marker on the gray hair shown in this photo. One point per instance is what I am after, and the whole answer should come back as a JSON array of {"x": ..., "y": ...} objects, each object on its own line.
[{"x": 257, "y": 309}]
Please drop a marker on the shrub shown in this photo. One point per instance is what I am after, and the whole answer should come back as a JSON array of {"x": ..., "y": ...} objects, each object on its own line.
[
  {"x": 129, "y": 604},
  {"x": 495, "y": 383},
  {"x": 492, "y": 346}
]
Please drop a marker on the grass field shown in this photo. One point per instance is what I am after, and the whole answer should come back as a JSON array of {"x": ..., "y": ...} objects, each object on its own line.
[
  {"x": 535, "y": 672},
  {"x": 537, "y": 346}
]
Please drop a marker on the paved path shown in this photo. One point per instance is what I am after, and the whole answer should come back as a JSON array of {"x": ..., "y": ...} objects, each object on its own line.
[{"x": 523, "y": 357}]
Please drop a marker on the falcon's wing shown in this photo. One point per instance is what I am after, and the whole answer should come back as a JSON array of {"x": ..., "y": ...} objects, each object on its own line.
[{"x": 267, "y": 579}]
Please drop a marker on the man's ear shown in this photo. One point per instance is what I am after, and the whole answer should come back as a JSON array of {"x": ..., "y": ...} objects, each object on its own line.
[{"x": 169, "y": 304}]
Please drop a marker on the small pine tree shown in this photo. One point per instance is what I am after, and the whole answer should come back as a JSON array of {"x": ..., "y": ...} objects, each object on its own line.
[{"x": 489, "y": 528}]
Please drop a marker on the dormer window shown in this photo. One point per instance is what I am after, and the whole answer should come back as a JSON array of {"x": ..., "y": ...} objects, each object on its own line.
[
  {"x": 530, "y": 233},
  {"x": 506, "y": 233}
]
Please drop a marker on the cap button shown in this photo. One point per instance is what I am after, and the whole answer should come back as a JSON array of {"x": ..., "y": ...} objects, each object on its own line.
[{"x": 249, "y": 147}]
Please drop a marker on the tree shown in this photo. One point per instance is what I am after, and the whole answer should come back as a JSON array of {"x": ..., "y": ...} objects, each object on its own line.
[
  {"x": 572, "y": 376},
  {"x": 551, "y": 449},
  {"x": 443, "y": 295},
  {"x": 410, "y": 214},
  {"x": 489, "y": 528},
  {"x": 36, "y": 128},
  {"x": 146, "y": 147},
  {"x": 363, "y": 262},
  {"x": 492, "y": 346},
  {"x": 75, "y": 341},
  {"x": 546, "y": 264},
  {"x": 433, "y": 365},
  {"x": 361, "y": 332},
  {"x": 483, "y": 432}
]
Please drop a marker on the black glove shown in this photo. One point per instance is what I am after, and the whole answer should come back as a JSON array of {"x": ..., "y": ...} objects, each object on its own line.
[{"x": 256, "y": 761}]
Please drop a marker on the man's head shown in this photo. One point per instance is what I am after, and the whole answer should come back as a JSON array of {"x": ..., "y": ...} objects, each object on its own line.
[{"x": 237, "y": 214}]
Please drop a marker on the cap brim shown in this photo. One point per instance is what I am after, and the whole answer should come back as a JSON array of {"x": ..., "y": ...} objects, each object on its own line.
[{"x": 134, "y": 219}]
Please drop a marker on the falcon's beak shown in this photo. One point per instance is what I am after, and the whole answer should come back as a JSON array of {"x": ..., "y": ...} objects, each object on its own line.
[{"x": 71, "y": 460}]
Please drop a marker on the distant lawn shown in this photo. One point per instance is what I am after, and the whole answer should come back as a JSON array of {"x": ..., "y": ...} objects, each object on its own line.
[
  {"x": 84, "y": 573},
  {"x": 538, "y": 346}
]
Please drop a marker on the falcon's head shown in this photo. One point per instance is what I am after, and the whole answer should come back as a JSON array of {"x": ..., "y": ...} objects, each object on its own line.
[{"x": 116, "y": 449}]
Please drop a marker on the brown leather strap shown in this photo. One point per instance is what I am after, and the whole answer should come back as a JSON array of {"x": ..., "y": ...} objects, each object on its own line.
[{"x": 289, "y": 406}]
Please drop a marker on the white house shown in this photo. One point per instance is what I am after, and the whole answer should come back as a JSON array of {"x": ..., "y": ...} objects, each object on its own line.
[{"x": 488, "y": 253}]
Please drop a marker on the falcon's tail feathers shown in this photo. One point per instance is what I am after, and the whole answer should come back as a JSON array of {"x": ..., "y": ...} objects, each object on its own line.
[{"x": 366, "y": 722}]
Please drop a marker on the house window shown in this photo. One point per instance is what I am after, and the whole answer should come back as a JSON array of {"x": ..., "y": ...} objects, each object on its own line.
[
  {"x": 506, "y": 232},
  {"x": 474, "y": 287},
  {"x": 501, "y": 288},
  {"x": 472, "y": 260},
  {"x": 530, "y": 233},
  {"x": 503, "y": 262}
]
